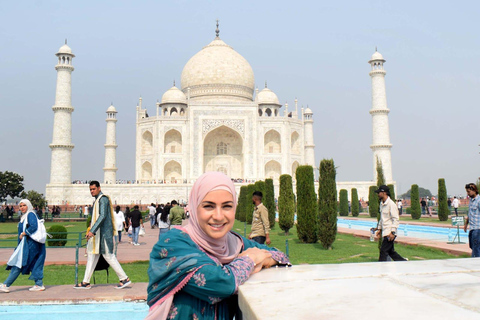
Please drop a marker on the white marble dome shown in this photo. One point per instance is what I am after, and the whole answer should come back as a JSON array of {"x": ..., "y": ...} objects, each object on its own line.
[
  {"x": 174, "y": 95},
  {"x": 377, "y": 56},
  {"x": 308, "y": 111},
  {"x": 111, "y": 109},
  {"x": 218, "y": 71},
  {"x": 65, "y": 49},
  {"x": 267, "y": 96}
]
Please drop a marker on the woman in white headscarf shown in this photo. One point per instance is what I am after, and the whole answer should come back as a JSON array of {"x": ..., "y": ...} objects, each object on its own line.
[{"x": 29, "y": 256}]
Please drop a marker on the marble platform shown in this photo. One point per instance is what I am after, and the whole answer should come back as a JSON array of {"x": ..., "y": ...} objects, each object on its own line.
[{"x": 433, "y": 289}]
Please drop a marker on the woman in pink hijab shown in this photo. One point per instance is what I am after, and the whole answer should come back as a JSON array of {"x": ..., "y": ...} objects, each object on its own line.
[{"x": 195, "y": 271}]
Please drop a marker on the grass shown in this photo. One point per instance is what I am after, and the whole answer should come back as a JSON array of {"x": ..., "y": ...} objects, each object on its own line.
[{"x": 346, "y": 249}]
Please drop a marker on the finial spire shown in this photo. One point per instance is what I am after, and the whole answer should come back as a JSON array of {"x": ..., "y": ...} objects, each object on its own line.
[
  {"x": 375, "y": 48},
  {"x": 111, "y": 103},
  {"x": 174, "y": 82},
  {"x": 265, "y": 83},
  {"x": 65, "y": 40},
  {"x": 217, "y": 31}
]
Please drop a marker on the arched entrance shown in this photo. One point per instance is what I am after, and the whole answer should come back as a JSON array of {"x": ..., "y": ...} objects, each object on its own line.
[{"x": 223, "y": 151}]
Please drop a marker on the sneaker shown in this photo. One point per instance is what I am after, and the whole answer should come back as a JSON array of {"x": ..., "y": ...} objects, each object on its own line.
[
  {"x": 123, "y": 283},
  {"x": 137, "y": 244},
  {"x": 82, "y": 285},
  {"x": 37, "y": 288},
  {"x": 4, "y": 288}
]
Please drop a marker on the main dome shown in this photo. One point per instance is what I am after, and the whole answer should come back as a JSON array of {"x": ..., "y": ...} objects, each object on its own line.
[{"x": 218, "y": 71}]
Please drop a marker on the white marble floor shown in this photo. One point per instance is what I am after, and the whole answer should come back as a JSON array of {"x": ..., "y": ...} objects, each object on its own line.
[{"x": 433, "y": 289}]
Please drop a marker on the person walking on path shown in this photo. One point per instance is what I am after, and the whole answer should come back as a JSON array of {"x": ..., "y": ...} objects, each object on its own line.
[
  {"x": 120, "y": 222},
  {"x": 473, "y": 219},
  {"x": 100, "y": 239},
  {"x": 163, "y": 223},
  {"x": 455, "y": 204},
  {"x": 135, "y": 221},
  {"x": 176, "y": 215},
  {"x": 424, "y": 205},
  {"x": 29, "y": 256},
  {"x": 151, "y": 214},
  {"x": 260, "y": 224},
  {"x": 399, "y": 206},
  {"x": 387, "y": 225}
]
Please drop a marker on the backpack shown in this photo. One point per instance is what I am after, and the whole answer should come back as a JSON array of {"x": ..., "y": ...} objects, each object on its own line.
[{"x": 41, "y": 234}]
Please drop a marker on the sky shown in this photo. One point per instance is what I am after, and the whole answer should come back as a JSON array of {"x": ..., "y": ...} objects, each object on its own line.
[{"x": 316, "y": 51}]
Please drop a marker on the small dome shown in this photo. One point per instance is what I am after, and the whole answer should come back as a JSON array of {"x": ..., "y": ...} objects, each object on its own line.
[
  {"x": 267, "y": 96},
  {"x": 174, "y": 95},
  {"x": 65, "y": 49},
  {"x": 111, "y": 109},
  {"x": 377, "y": 56},
  {"x": 308, "y": 111}
]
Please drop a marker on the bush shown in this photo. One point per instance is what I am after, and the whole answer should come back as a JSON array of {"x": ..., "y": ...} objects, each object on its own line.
[
  {"x": 392, "y": 192},
  {"x": 415, "y": 210},
  {"x": 443, "y": 211},
  {"x": 286, "y": 203},
  {"x": 343, "y": 203},
  {"x": 55, "y": 242},
  {"x": 373, "y": 203},
  {"x": 269, "y": 201},
  {"x": 327, "y": 203},
  {"x": 249, "y": 206},
  {"x": 355, "y": 204},
  {"x": 240, "y": 212},
  {"x": 307, "y": 209}
]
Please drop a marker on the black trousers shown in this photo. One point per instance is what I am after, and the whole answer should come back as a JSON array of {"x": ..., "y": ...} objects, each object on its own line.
[
  {"x": 259, "y": 239},
  {"x": 388, "y": 249}
]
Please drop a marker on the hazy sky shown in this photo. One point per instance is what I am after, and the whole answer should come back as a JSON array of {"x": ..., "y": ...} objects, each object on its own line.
[{"x": 316, "y": 51}]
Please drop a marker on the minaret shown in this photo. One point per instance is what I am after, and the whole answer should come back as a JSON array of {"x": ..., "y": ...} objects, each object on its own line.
[
  {"x": 308, "y": 132},
  {"x": 110, "y": 168},
  {"x": 61, "y": 165},
  {"x": 381, "y": 133}
]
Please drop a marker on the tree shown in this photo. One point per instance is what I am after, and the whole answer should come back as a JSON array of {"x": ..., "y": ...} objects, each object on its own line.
[
  {"x": 380, "y": 175},
  {"x": 286, "y": 203},
  {"x": 392, "y": 192},
  {"x": 260, "y": 186},
  {"x": 355, "y": 203},
  {"x": 373, "y": 204},
  {"x": 343, "y": 203},
  {"x": 37, "y": 199},
  {"x": 415, "y": 209},
  {"x": 443, "y": 211},
  {"x": 11, "y": 184},
  {"x": 241, "y": 206},
  {"x": 327, "y": 203},
  {"x": 422, "y": 193},
  {"x": 307, "y": 210},
  {"x": 269, "y": 201},
  {"x": 249, "y": 206}
]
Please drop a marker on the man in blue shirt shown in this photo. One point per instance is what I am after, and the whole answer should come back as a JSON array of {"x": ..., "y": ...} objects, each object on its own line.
[{"x": 473, "y": 219}]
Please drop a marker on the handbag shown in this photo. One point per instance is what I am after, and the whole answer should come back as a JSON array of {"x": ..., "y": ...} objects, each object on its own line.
[
  {"x": 141, "y": 232},
  {"x": 130, "y": 229},
  {"x": 40, "y": 235}
]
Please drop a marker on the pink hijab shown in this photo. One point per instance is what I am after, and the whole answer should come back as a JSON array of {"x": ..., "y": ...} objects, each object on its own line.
[{"x": 227, "y": 248}]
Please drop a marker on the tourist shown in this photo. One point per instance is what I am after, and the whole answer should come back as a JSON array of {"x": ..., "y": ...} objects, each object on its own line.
[
  {"x": 158, "y": 212},
  {"x": 128, "y": 224},
  {"x": 29, "y": 256},
  {"x": 163, "y": 223},
  {"x": 455, "y": 204},
  {"x": 260, "y": 223},
  {"x": 473, "y": 219},
  {"x": 399, "y": 206},
  {"x": 135, "y": 221},
  {"x": 151, "y": 214},
  {"x": 424, "y": 205},
  {"x": 120, "y": 221},
  {"x": 387, "y": 225},
  {"x": 176, "y": 215},
  {"x": 195, "y": 270},
  {"x": 100, "y": 239},
  {"x": 430, "y": 207}
]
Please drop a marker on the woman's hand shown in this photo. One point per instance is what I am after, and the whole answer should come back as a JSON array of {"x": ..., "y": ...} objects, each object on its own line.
[
  {"x": 260, "y": 258},
  {"x": 22, "y": 235}
]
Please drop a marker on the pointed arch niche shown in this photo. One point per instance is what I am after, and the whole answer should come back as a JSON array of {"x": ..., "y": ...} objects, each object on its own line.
[
  {"x": 294, "y": 170},
  {"x": 147, "y": 143},
  {"x": 146, "y": 171},
  {"x": 272, "y": 142},
  {"x": 173, "y": 141},
  {"x": 295, "y": 142},
  {"x": 223, "y": 151},
  {"x": 273, "y": 170},
  {"x": 172, "y": 171}
]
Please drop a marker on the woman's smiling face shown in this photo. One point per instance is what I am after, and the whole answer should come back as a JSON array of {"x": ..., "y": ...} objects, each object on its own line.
[{"x": 216, "y": 213}]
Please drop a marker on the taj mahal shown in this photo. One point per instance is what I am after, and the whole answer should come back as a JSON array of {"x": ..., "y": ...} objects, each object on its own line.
[{"x": 216, "y": 120}]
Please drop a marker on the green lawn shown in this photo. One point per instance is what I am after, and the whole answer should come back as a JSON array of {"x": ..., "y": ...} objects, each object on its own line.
[{"x": 346, "y": 249}]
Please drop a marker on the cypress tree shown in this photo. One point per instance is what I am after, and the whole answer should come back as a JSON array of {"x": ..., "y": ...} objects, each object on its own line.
[
  {"x": 269, "y": 201},
  {"x": 380, "y": 175},
  {"x": 343, "y": 203},
  {"x": 392, "y": 192},
  {"x": 307, "y": 210},
  {"x": 260, "y": 186},
  {"x": 443, "y": 211},
  {"x": 249, "y": 206},
  {"x": 286, "y": 203},
  {"x": 327, "y": 203},
  {"x": 373, "y": 204},
  {"x": 415, "y": 209},
  {"x": 355, "y": 204},
  {"x": 240, "y": 212}
]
